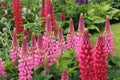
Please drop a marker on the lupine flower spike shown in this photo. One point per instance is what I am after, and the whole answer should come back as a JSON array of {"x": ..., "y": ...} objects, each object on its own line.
[
  {"x": 64, "y": 75},
  {"x": 33, "y": 44},
  {"x": 14, "y": 52},
  {"x": 60, "y": 43},
  {"x": 25, "y": 65},
  {"x": 39, "y": 54},
  {"x": 109, "y": 37},
  {"x": 49, "y": 43},
  {"x": 80, "y": 34},
  {"x": 100, "y": 60},
  {"x": 18, "y": 23},
  {"x": 62, "y": 16},
  {"x": 42, "y": 13},
  {"x": 2, "y": 69},
  {"x": 85, "y": 58},
  {"x": 71, "y": 38}
]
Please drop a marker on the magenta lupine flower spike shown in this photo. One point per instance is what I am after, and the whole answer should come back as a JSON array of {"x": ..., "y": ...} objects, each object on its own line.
[
  {"x": 39, "y": 54},
  {"x": 100, "y": 60},
  {"x": 81, "y": 25},
  {"x": 60, "y": 43},
  {"x": 25, "y": 65},
  {"x": 49, "y": 43},
  {"x": 33, "y": 46},
  {"x": 64, "y": 75},
  {"x": 48, "y": 26},
  {"x": 14, "y": 48},
  {"x": 109, "y": 37},
  {"x": 71, "y": 38},
  {"x": 2, "y": 69},
  {"x": 85, "y": 58}
]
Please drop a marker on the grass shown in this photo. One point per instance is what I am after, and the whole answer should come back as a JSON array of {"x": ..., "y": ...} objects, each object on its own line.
[{"x": 116, "y": 33}]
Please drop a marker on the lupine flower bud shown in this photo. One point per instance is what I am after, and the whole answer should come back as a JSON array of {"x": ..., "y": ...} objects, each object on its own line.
[
  {"x": 85, "y": 58},
  {"x": 60, "y": 43},
  {"x": 18, "y": 23},
  {"x": 39, "y": 53},
  {"x": 14, "y": 48},
  {"x": 109, "y": 37},
  {"x": 62, "y": 16},
  {"x": 64, "y": 75},
  {"x": 2, "y": 69},
  {"x": 25, "y": 65},
  {"x": 42, "y": 13},
  {"x": 27, "y": 33},
  {"x": 100, "y": 60},
  {"x": 71, "y": 38}
]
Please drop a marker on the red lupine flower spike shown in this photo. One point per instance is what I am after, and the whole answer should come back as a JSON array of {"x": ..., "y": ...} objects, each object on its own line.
[
  {"x": 18, "y": 23},
  {"x": 42, "y": 12},
  {"x": 71, "y": 27},
  {"x": 62, "y": 16}
]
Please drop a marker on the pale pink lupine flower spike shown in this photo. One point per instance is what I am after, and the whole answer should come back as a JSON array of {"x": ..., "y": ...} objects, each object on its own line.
[
  {"x": 109, "y": 37},
  {"x": 85, "y": 58},
  {"x": 71, "y": 38},
  {"x": 64, "y": 75},
  {"x": 61, "y": 47},
  {"x": 100, "y": 60},
  {"x": 2, "y": 68},
  {"x": 25, "y": 65},
  {"x": 14, "y": 52},
  {"x": 79, "y": 36}
]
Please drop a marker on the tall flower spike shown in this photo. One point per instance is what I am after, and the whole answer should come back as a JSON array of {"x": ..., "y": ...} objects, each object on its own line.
[
  {"x": 14, "y": 48},
  {"x": 62, "y": 16},
  {"x": 100, "y": 60},
  {"x": 109, "y": 37},
  {"x": 85, "y": 58},
  {"x": 39, "y": 53},
  {"x": 48, "y": 28},
  {"x": 42, "y": 13},
  {"x": 2, "y": 69},
  {"x": 47, "y": 7},
  {"x": 81, "y": 25},
  {"x": 60, "y": 43},
  {"x": 25, "y": 65},
  {"x": 64, "y": 75},
  {"x": 33, "y": 45},
  {"x": 53, "y": 19},
  {"x": 71, "y": 36},
  {"x": 18, "y": 23}
]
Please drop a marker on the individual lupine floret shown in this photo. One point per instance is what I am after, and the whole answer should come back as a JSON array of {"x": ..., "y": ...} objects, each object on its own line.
[
  {"x": 79, "y": 34},
  {"x": 100, "y": 60},
  {"x": 39, "y": 53},
  {"x": 109, "y": 37},
  {"x": 25, "y": 65},
  {"x": 85, "y": 58},
  {"x": 18, "y": 23},
  {"x": 14, "y": 52},
  {"x": 49, "y": 43},
  {"x": 71, "y": 38},
  {"x": 61, "y": 47},
  {"x": 64, "y": 75},
  {"x": 2, "y": 68}
]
